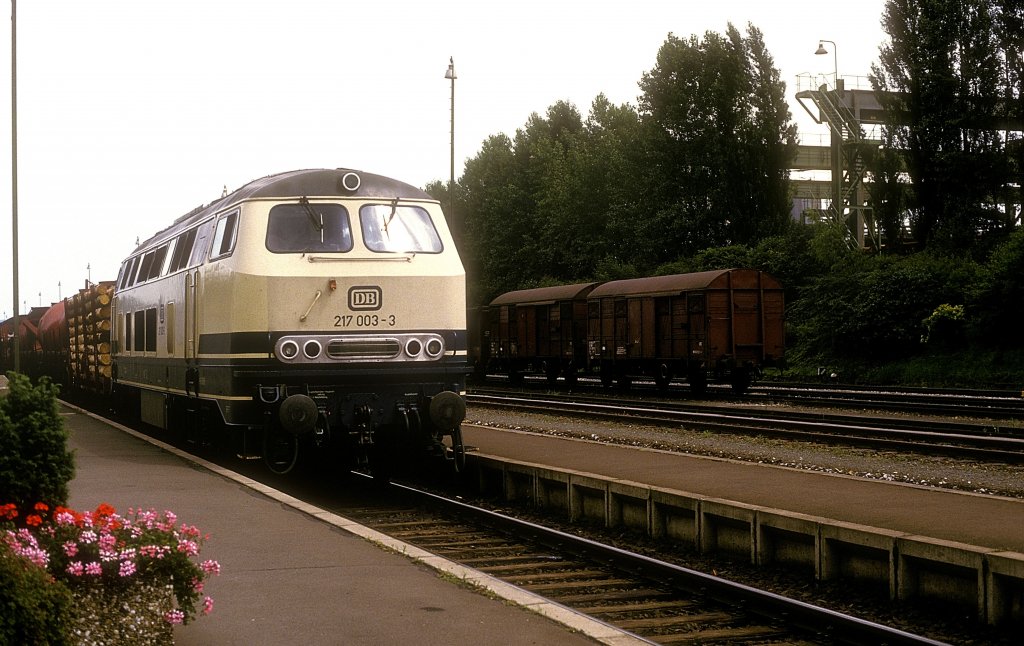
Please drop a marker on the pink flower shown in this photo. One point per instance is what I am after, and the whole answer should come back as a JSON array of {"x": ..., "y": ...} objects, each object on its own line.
[
  {"x": 188, "y": 547},
  {"x": 174, "y": 617},
  {"x": 127, "y": 568},
  {"x": 36, "y": 555},
  {"x": 93, "y": 568},
  {"x": 210, "y": 567},
  {"x": 108, "y": 542},
  {"x": 75, "y": 568},
  {"x": 207, "y": 605},
  {"x": 70, "y": 549}
]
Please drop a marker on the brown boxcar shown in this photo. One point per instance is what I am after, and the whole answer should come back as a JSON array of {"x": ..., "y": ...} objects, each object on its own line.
[
  {"x": 724, "y": 325},
  {"x": 542, "y": 330}
]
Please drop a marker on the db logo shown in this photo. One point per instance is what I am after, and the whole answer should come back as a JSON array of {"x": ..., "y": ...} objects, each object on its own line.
[{"x": 364, "y": 298}]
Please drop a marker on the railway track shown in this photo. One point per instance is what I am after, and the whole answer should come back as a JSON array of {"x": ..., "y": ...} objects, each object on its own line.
[
  {"x": 962, "y": 403},
  {"x": 998, "y": 404},
  {"x": 659, "y": 602},
  {"x": 983, "y": 441}
]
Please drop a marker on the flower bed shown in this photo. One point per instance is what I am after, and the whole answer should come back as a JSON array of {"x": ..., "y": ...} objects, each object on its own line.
[{"x": 133, "y": 576}]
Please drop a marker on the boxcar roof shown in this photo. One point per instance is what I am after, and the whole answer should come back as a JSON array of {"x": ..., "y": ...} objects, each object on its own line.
[
  {"x": 673, "y": 284},
  {"x": 319, "y": 182},
  {"x": 545, "y": 295}
]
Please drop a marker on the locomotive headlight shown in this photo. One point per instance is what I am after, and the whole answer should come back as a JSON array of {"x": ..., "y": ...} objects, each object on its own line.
[
  {"x": 289, "y": 350},
  {"x": 312, "y": 349},
  {"x": 413, "y": 347},
  {"x": 434, "y": 348}
]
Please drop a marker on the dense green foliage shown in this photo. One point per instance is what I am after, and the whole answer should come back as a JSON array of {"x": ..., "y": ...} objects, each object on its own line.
[
  {"x": 34, "y": 609},
  {"x": 35, "y": 463},
  {"x": 696, "y": 177}
]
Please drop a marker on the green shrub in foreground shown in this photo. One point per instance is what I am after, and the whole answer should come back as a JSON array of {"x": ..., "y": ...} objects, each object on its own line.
[{"x": 35, "y": 463}]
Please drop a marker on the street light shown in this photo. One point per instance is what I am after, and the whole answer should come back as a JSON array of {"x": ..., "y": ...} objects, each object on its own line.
[
  {"x": 14, "y": 179},
  {"x": 450, "y": 74},
  {"x": 835, "y": 59}
]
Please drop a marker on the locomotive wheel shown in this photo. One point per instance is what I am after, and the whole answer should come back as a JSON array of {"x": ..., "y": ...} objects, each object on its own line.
[{"x": 280, "y": 450}]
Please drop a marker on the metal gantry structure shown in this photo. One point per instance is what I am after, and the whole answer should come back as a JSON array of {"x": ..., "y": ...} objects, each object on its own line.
[{"x": 845, "y": 111}]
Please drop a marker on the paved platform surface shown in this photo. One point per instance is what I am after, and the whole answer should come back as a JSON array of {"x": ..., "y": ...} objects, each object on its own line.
[
  {"x": 291, "y": 578},
  {"x": 974, "y": 519}
]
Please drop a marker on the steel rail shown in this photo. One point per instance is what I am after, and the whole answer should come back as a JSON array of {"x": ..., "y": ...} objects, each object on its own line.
[
  {"x": 942, "y": 438},
  {"x": 979, "y": 403}
]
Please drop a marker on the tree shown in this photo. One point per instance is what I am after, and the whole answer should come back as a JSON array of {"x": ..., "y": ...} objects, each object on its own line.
[
  {"x": 720, "y": 142},
  {"x": 938, "y": 78},
  {"x": 493, "y": 223}
]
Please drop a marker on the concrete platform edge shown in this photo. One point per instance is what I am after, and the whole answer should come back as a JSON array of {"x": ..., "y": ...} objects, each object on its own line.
[{"x": 986, "y": 581}]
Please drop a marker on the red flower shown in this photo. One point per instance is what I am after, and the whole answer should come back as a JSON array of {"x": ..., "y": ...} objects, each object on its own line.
[
  {"x": 42, "y": 506},
  {"x": 34, "y": 520},
  {"x": 8, "y": 511}
]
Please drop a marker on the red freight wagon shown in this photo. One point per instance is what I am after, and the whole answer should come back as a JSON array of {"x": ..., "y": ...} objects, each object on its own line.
[
  {"x": 539, "y": 330},
  {"x": 724, "y": 325}
]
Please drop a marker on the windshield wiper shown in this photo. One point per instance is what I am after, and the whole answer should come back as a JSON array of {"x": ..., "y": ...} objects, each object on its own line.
[
  {"x": 314, "y": 216},
  {"x": 391, "y": 216}
]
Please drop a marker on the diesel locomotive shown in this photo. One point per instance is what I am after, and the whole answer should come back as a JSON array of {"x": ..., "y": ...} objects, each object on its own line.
[{"x": 313, "y": 310}]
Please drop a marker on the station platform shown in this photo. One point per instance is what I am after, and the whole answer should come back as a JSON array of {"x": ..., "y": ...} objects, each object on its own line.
[
  {"x": 984, "y": 521},
  {"x": 295, "y": 574}
]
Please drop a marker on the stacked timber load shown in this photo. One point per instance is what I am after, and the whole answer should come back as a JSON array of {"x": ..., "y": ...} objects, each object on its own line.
[{"x": 88, "y": 316}]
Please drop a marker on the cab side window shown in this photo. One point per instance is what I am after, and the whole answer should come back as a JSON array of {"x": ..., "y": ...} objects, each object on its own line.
[{"x": 224, "y": 236}]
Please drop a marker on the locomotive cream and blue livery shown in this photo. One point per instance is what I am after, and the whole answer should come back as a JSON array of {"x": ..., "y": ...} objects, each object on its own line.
[{"x": 319, "y": 309}]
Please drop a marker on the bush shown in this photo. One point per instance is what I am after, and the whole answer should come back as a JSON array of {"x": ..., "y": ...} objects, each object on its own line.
[
  {"x": 34, "y": 608},
  {"x": 35, "y": 463}
]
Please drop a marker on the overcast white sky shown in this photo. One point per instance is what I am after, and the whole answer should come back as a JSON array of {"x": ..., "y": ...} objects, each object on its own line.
[{"x": 133, "y": 112}]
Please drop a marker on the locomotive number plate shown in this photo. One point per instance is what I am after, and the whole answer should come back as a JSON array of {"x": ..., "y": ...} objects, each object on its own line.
[{"x": 365, "y": 320}]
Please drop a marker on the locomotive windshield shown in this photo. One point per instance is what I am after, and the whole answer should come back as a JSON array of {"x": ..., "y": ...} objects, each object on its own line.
[
  {"x": 398, "y": 229},
  {"x": 307, "y": 227}
]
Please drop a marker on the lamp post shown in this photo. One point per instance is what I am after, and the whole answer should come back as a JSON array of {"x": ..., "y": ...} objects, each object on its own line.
[
  {"x": 835, "y": 130},
  {"x": 821, "y": 51},
  {"x": 14, "y": 179},
  {"x": 450, "y": 74}
]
